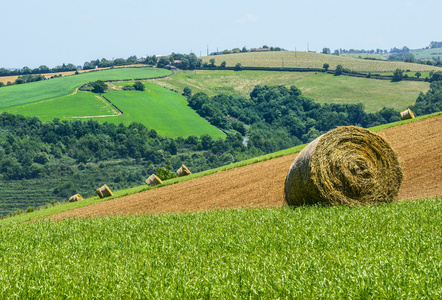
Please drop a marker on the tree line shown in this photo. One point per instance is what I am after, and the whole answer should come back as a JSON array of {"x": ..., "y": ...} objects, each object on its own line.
[{"x": 277, "y": 117}]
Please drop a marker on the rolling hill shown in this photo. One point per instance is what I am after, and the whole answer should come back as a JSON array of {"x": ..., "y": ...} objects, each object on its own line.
[
  {"x": 299, "y": 59},
  {"x": 323, "y": 88},
  {"x": 154, "y": 108}
]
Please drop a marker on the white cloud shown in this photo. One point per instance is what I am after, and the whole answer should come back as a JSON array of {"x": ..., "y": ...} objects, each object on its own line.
[{"x": 247, "y": 18}]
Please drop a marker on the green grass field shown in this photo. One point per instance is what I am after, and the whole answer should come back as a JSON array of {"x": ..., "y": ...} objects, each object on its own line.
[
  {"x": 375, "y": 94},
  {"x": 390, "y": 251},
  {"x": 297, "y": 59},
  {"x": 80, "y": 104},
  {"x": 14, "y": 95},
  {"x": 161, "y": 109},
  {"x": 157, "y": 108}
]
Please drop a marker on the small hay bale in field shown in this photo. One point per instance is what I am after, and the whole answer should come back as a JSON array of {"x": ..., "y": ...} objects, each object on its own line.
[
  {"x": 348, "y": 165},
  {"x": 153, "y": 180},
  {"x": 183, "y": 171},
  {"x": 104, "y": 191},
  {"x": 76, "y": 197},
  {"x": 407, "y": 114}
]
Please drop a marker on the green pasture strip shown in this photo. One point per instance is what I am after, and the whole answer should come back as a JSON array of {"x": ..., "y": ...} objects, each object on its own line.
[
  {"x": 121, "y": 193},
  {"x": 299, "y": 59},
  {"x": 391, "y": 251},
  {"x": 323, "y": 88},
  {"x": 81, "y": 104},
  {"x": 20, "y": 94},
  {"x": 385, "y": 126}
]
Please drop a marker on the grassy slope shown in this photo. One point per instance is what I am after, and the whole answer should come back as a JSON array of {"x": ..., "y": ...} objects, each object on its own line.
[
  {"x": 312, "y": 60},
  {"x": 165, "y": 111},
  {"x": 375, "y": 94},
  {"x": 386, "y": 251},
  {"x": 76, "y": 105},
  {"x": 37, "y": 91},
  {"x": 155, "y": 107}
]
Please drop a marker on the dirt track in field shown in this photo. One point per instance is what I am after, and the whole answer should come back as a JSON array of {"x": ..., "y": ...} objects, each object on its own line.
[{"x": 418, "y": 144}]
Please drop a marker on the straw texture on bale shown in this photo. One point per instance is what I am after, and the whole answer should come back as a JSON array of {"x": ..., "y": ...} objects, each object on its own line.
[
  {"x": 348, "y": 165},
  {"x": 76, "y": 197},
  {"x": 407, "y": 114},
  {"x": 104, "y": 192},
  {"x": 153, "y": 180},
  {"x": 183, "y": 171}
]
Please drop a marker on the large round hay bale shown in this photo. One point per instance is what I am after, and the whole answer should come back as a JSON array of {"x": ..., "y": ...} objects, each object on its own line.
[
  {"x": 76, "y": 197},
  {"x": 183, "y": 171},
  {"x": 153, "y": 180},
  {"x": 407, "y": 114},
  {"x": 348, "y": 165},
  {"x": 104, "y": 191}
]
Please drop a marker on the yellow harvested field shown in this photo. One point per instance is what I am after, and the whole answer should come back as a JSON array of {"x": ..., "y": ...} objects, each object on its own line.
[{"x": 298, "y": 59}]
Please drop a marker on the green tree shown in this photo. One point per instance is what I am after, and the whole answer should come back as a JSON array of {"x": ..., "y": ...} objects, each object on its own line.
[
  {"x": 99, "y": 86},
  {"x": 398, "y": 75},
  {"x": 212, "y": 62},
  {"x": 138, "y": 86},
  {"x": 418, "y": 74},
  {"x": 238, "y": 67},
  {"x": 41, "y": 158},
  {"x": 223, "y": 64},
  {"x": 164, "y": 173},
  {"x": 163, "y": 62},
  {"x": 326, "y": 50},
  {"x": 339, "y": 70},
  {"x": 326, "y": 66},
  {"x": 187, "y": 92},
  {"x": 436, "y": 76}
]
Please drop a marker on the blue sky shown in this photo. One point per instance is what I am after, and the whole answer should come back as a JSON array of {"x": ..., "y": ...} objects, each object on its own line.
[{"x": 52, "y": 32}]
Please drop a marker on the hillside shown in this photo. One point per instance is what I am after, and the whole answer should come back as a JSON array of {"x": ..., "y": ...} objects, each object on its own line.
[
  {"x": 427, "y": 54},
  {"x": 21, "y": 94},
  {"x": 154, "y": 108},
  {"x": 299, "y": 59},
  {"x": 323, "y": 88},
  {"x": 418, "y": 145}
]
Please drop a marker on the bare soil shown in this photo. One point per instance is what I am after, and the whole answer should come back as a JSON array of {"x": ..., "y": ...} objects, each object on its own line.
[{"x": 418, "y": 144}]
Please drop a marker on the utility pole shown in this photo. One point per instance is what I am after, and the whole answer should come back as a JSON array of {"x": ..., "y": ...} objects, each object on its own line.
[{"x": 207, "y": 50}]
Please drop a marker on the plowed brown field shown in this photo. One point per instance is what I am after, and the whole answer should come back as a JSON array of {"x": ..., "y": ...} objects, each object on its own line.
[{"x": 418, "y": 144}]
